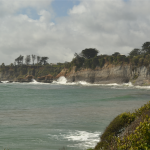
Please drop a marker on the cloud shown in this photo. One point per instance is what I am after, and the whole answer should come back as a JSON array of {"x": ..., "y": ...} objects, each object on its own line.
[
  {"x": 109, "y": 26},
  {"x": 77, "y": 9}
]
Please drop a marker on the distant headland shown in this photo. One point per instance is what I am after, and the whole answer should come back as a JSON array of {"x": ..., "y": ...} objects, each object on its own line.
[{"x": 89, "y": 66}]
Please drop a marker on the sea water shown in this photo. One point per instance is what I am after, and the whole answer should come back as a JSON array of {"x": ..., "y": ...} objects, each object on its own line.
[{"x": 61, "y": 115}]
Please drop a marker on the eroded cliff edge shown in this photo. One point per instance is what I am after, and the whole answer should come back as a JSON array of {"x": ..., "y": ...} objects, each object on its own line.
[{"x": 110, "y": 74}]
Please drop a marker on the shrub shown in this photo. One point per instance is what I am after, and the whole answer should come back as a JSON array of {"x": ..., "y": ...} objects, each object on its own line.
[
  {"x": 87, "y": 63},
  {"x": 135, "y": 60},
  {"x": 115, "y": 128},
  {"x": 138, "y": 138},
  {"x": 141, "y": 60},
  {"x": 101, "y": 62},
  {"x": 110, "y": 59}
]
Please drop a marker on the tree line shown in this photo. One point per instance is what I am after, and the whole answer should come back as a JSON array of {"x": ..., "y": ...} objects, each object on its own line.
[
  {"x": 28, "y": 58},
  {"x": 89, "y": 58}
]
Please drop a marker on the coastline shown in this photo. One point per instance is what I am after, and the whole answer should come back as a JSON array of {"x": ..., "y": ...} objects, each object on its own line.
[
  {"x": 62, "y": 80},
  {"x": 108, "y": 74}
]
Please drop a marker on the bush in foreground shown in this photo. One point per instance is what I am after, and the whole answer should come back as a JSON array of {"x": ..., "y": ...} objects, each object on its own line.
[{"x": 128, "y": 131}]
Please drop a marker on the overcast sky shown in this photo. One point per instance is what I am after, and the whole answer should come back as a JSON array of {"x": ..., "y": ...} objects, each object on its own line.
[{"x": 59, "y": 28}]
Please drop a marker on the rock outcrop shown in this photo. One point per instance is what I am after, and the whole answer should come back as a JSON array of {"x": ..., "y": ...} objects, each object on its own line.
[
  {"x": 64, "y": 73},
  {"x": 28, "y": 78},
  {"x": 46, "y": 79}
]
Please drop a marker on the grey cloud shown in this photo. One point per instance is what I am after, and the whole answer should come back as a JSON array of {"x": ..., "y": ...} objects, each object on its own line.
[{"x": 109, "y": 26}]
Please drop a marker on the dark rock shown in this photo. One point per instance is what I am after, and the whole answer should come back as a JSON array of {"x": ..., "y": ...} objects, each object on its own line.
[{"x": 41, "y": 78}]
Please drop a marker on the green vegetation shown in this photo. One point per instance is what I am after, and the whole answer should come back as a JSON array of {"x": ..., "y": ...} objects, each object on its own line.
[
  {"x": 89, "y": 53},
  {"x": 89, "y": 58},
  {"x": 20, "y": 72},
  {"x": 128, "y": 131}
]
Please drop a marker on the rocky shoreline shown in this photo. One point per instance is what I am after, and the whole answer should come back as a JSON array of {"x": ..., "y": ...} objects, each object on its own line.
[
  {"x": 108, "y": 74},
  {"x": 30, "y": 78}
]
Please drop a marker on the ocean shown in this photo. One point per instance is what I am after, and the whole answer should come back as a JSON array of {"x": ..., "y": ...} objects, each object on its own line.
[{"x": 60, "y": 115}]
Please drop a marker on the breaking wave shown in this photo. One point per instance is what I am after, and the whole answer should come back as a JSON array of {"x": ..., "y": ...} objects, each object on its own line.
[
  {"x": 5, "y": 81},
  {"x": 62, "y": 80},
  {"x": 81, "y": 139},
  {"x": 35, "y": 82}
]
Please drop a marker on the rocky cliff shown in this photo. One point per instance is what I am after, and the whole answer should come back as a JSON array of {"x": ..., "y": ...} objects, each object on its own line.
[
  {"x": 108, "y": 74},
  {"x": 111, "y": 74}
]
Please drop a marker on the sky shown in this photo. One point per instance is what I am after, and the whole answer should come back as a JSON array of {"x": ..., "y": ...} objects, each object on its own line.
[{"x": 59, "y": 28}]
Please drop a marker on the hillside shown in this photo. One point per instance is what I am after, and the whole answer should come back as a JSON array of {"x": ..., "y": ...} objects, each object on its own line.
[{"x": 128, "y": 131}]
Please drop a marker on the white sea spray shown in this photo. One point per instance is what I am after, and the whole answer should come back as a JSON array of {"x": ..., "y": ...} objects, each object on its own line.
[{"x": 83, "y": 139}]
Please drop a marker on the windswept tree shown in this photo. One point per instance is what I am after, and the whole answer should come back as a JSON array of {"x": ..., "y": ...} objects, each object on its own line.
[
  {"x": 27, "y": 59},
  {"x": 33, "y": 58},
  {"x": 89, "y": 53},
  {"x": 135, "y": 52},
  {"x": 78, "y": 60},
  {"x": 116, "y": 54},
  {"x": 146, "y": 47},
  {"x": 19, "y": 60},
  {"x": 44, "y": 60},
  {"x": 11, "y": 65},
  {"x": 38, "y": 59},
  {"x": 2, "y": 65}
]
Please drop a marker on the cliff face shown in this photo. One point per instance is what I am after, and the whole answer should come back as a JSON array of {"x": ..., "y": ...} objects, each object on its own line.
[
  {"x": 62, "y": 73},
  {"x": 107, "y": 74},
  {"x": 112, "y": 74}
]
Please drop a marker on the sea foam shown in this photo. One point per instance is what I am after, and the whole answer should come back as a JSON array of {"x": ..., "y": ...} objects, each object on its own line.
[
  {"x": 5, "y": 81},
  {"x": 62, "y": 80},
  {"x": 81, "y": 139}
]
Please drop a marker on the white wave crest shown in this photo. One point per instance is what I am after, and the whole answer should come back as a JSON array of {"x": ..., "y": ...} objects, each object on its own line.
[
  {"x": 143, "y": 87},
  {"x": 34, "y": 81},
  {"x": 85, "y": 83},
  {"x": 128, "y": 84},
  {"x": 85, "y": 139},
  {"x": 5, "y": 81},
  {"x": 62, "y": 80},
  {"x": 82, "y": 139}
]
